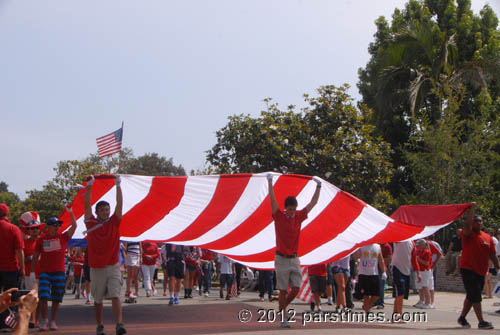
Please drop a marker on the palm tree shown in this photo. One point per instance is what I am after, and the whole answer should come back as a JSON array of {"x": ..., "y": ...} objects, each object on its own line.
[{"x": 420, "y": 64}]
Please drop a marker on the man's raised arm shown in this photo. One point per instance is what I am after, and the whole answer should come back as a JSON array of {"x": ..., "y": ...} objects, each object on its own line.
[
  {"x": 315, "y": 197},
  {"x": 468, "y": 222},
  {"x": 119, "y": 197},
  {"x": 87, "y": 199},
  {"x": 72, "y": 229},
  {"x": 274, "y": 204}
]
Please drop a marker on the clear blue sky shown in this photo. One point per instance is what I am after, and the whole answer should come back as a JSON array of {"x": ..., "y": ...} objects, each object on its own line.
[{"x": 172, "y": 70}]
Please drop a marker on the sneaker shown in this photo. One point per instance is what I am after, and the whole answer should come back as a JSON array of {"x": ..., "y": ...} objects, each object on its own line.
[
  {"x": 100, "y": 330},
  {"x": 431, "y": 306},
  {"x": 463, "y": 322},
  {"x": 485, "y": 325},
  {"x": 497, "y": 311},
  {"x": 425, "y": 306},
  {"x": 206, "y": 294},
  {"x": 228, "y": 297},
  {"x": 419, "y": 304},
  {"x": 52, "y": 325},
  {"x": 284, "y": 324},
  {"x": 120, "y": 329},
  {"x": 313, "y": 304},
  {"x": 221, "y": 295},
  {"x": 330, "y": 302},
  {"x": 176, "y": 301},
  {"x": 262, "y": 299},
  {"x": 171, "y": 301},
  {"x": 44, "y": 325},
  {"x": 379, "y": 307},
  {"x": 271, "y": 298},
  {"x": 88, "y": 302},
  {"x": 155, "y": 293},
  {"x": 164, "y": 294}
]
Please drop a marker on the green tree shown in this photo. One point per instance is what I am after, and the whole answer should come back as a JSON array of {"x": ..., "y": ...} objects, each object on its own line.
[
  {"x": 48, "y": 200},
  {"x": 430, "y": 46},
  {"x": 10, "y": 199},
  {"x": 330, "y": 138}
]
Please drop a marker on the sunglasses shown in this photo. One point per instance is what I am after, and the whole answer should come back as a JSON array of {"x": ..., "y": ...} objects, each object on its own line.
[{"x": 33, "y": 228}]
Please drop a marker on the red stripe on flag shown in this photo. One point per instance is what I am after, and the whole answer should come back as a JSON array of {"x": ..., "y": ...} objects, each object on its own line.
[
  {"x": 262, "y": 216},
  {"x": 164, "y": 195},
  {"x": 394, "y": 231},
  {"x": 333, "y": 220},
  {"x": 226, "y": 195},
  {"x": 99, "y": 189}
]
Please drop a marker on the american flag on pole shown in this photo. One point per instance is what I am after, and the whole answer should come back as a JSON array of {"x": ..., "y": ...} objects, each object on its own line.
[{"x": 110, "y": 144}]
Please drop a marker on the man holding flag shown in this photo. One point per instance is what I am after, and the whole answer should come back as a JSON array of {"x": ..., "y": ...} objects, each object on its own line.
[
  {"x": 287, "y": 228},
  {"x": 103, "y": 235}
]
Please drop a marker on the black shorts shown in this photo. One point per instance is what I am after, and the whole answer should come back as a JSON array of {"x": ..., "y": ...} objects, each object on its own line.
[
  {"x": 370, "y": 285},
  {"x": 318, "y": 283},
  {"x": 175, "y": 268},
  {"x": 473, "y": 284},
  {"x": 226, "y": 279},
  {"x": 86, "y": 273},
  {"x": 401, "y": 283}
]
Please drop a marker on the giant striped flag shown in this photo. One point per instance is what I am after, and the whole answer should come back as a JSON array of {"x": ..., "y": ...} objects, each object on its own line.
[
  {"x": 110, "y": 144},
  {"x": 231, "y": 214}
]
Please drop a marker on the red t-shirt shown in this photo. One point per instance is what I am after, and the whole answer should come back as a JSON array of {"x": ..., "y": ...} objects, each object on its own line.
[
  {"x": 287, "y": 231},
  {"x": 12, "y": 240},
  {"x": 150, "y": 250},
  {"x": 476, "y": 249},
  {"x": 425, "y": 255},
  {"x": 29, "y": 250},
  {"x": 52, "y": 250},
  {"x": 104, "y": 242},
  {"x": 206, "y": 255},
  {"x": 77, "y": 265},
  {"x": 317, "y": 270},
  {"x": 386, "y": 250}
]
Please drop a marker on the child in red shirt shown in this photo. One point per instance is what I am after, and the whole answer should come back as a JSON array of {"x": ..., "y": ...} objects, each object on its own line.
[
  {"x": 77, "y": 260},
  {"x": 51, "y": 247},
  {"x": 424, "y": 259}
]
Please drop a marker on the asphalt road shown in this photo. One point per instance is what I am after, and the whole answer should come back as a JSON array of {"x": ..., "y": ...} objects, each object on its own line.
[{"x": 212, "y": 315}]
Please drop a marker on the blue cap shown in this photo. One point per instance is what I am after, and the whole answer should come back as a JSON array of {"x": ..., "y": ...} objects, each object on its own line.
[
  {"x": 54, "y": 221},
  {"x": 477, "y": 218}
]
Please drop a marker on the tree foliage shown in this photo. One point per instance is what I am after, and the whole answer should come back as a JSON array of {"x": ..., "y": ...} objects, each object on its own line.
[
  {"x": 330, "y": 138},
  {"x": 431, "y": 52},
  {"x": 48, "y": 200}
]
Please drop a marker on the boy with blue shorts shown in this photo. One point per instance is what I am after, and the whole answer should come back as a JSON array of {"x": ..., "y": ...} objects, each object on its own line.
[{"x": 51, "y": 248}]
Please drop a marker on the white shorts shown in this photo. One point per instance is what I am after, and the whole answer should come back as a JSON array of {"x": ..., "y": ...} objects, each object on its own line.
[
  {"x": 30, "y": 284},
  {"x": 132, "y": 260},
  {"x": 427, "y": 280}
]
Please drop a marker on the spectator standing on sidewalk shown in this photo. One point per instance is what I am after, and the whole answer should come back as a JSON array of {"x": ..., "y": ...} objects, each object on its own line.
[
  {"x": 478, "y": 249},
  {"x": 453, "y": 254},
  {"x": 11, "y": 257}
]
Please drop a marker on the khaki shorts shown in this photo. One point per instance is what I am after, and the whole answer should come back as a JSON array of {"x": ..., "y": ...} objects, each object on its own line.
[
  {"x": 287, "y": 272},
  {"x": 106, "y": 282}
]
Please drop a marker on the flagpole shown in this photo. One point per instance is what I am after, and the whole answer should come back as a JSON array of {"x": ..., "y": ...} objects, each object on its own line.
[{"x": 120, "y": 154}]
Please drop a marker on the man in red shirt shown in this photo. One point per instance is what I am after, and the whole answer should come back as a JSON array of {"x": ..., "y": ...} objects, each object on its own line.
[
  {"x": 51, "y": 247},
  {"x": 477, "y": 249},
  {"x": 11, "y": 256},
  {"x": 103, "y": 236},
  {"x": 287, "y": 228}
]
